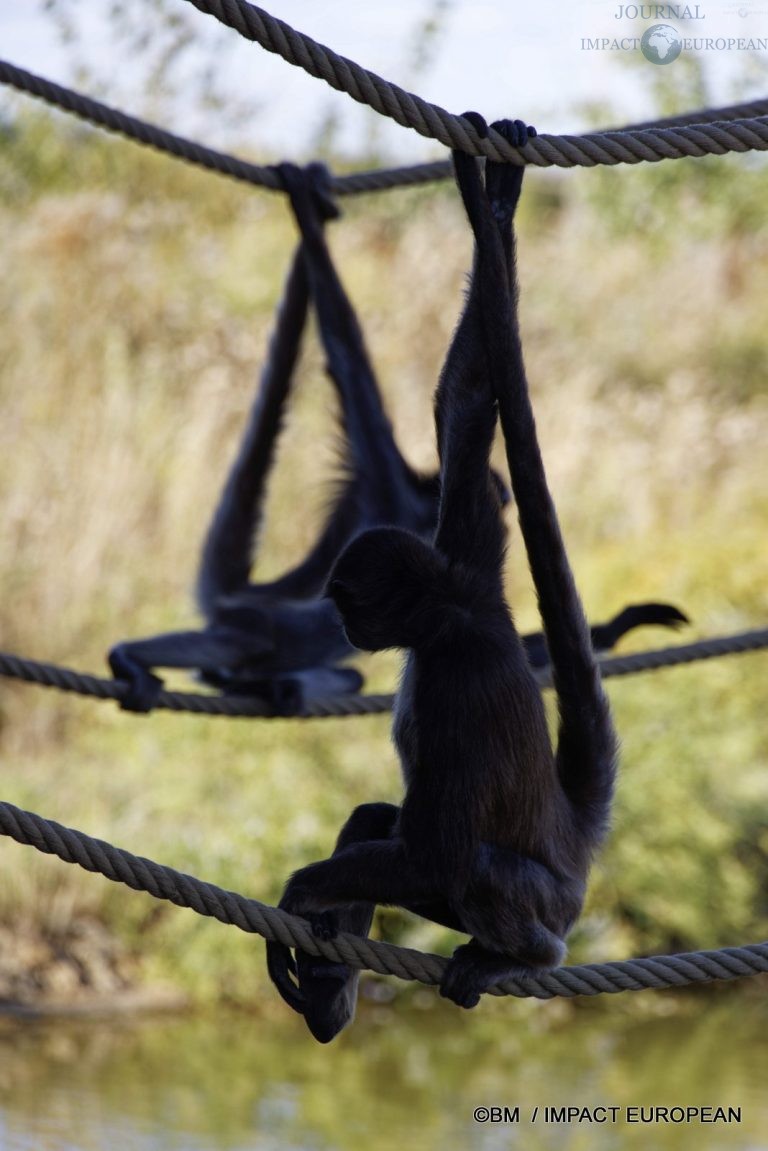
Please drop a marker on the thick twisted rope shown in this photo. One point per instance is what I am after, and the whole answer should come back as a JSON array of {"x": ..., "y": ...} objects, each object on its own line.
[
  {"x": 409, "y": 110},
  {"x": 228, "y": 907},
  {"x": 651, "y": 141},
  {"x": 66, "y": 679},
  {"x": 235, "y": 707},
  {"x": 741, "y": 111},
  {"x": 141, "y": 132}
]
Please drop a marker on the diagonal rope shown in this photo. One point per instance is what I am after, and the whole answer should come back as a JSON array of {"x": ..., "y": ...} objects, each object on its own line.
[
  {"x": 142, "y": 132},
  {"x": 95, "y": 855},
  {"x": 67, "y": 679},
  {"x": 410, "y": 111},
  {"x": 345, "y": 75}
]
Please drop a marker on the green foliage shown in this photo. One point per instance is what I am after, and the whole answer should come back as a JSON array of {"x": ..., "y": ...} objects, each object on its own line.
[{"x": 135, "y": 305}]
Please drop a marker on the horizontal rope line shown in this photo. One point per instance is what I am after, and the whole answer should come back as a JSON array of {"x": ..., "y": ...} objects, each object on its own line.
[
  {"x": 264, "y": 176},
  {"x": 67, "y": 679},
  {"x": 140, "y": 874},
  {"x": 741, "y": 111}
]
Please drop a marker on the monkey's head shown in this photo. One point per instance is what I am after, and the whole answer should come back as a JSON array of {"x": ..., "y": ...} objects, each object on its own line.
[{"x": 385, "y": 585}]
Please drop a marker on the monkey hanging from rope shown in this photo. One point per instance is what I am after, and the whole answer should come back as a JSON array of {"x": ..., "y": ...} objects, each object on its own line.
[
  {"x": 282, "y": 641},
  {"x": 497, "y": 829}
]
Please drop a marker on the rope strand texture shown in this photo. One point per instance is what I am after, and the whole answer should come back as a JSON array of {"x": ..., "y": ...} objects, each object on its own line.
[
  {"x": 651, "y": 140},
  {"x": 142, "y": 132},
  {"x": 66, "y": 679},
  {"x": 410, "y": 111},
  {"x": 249, "y": 915}
]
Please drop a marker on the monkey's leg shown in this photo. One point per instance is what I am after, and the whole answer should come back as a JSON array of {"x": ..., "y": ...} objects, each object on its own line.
[
  {"x": 519, "y": 914},
  {"x": 211, "y": 648},
  {"x": 293, "y": 691},
  {"x": 332, "y": 893},
  {"x": 369, "y": 821},
  {"x": 378, "y": 871},
  {"x": 329, "y": 989},
  {"x": 379, "y": 469},
  {"x": 287, "y": 693},
  {"x": 228, "y": 550}
]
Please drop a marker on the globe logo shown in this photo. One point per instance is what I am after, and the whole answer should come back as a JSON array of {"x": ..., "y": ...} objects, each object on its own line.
[{"x": 661, "y": 44}]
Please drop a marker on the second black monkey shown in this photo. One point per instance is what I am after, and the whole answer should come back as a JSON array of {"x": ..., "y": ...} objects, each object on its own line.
[{"x": 281, "y": 641}]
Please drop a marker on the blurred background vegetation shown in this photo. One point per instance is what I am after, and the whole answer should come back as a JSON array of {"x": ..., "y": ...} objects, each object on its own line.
[{"x": 135, "y": 306}]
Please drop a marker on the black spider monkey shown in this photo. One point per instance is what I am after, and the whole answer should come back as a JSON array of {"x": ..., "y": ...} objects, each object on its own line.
[
  {"x": 282, "y": 641},
  {"x": 496, "y": 831}
]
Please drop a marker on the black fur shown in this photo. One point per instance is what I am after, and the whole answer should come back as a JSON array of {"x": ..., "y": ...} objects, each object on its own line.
[
  {"x": 605, "y": 636},
  {"x": 282, "y": 641},
  {"x": 496, "y": 831}
]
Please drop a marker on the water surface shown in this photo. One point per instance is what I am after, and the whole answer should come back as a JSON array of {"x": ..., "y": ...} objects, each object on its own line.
[{"x": 411, "y": 1075}]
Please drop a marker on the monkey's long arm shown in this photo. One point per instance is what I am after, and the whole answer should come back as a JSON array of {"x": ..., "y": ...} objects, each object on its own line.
[
  {"x": 586, "y": 745},
  {"x": 228, "y": 549},
  {"x": 385, "y": 479},
  {"x": 378, "y": 485},
  {"x": 469, "y": 527},
  {"x": 305, "y": 639},
  {"x": 227, "y": 554}
]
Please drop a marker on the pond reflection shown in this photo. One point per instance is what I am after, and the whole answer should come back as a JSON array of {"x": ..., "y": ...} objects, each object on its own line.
[{"x": 413, "y": 1074}]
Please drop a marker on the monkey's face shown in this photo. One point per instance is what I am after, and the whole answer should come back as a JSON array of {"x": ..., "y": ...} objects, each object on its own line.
[
  {"x": 379, "y": 584},
  {"x": 353, "y": 618}
]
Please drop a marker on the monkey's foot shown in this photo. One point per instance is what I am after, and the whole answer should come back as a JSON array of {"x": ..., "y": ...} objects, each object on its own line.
[
  {"x": 283, "y": 695},
  {"x": 291, "y": 694},
  {"x": 313, "y": 181},
  {"x": 325, "y": 991},
  {"x": 328, "y": 988},
  {"x": 329, "y": 994},
  {"x": 286, "y": 697},
  {"x": 142, "y": 687},
  {"x": 471, "y": 971},
  {"x": 516, "y": 132},
  {"x": 478, "y": 122}
]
